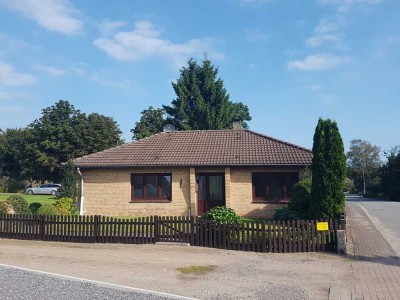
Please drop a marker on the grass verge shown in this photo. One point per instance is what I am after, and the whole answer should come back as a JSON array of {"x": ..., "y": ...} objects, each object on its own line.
[
  {"x": 196, "y": 270},
  {"x": 42, "y": 199}
]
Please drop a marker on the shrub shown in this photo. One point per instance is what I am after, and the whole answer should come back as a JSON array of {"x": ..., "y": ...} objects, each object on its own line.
[
  {"x": 221, "y": 215},
  {"x": 47, "y": 210},
  {"x": 301, "y": 196},
  {"x": 10, "y": 185},
  {"x": 68, "y": 184},
  {"x": 33, "y": 207},
  {"x": 4, "y": 208},
  {"x": 19, "y": 204},
  {"x": 288, "y": 214},
  {"x": 66, "y": 206}
]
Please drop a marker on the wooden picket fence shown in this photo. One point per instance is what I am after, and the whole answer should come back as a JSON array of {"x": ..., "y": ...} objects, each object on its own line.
[{"x": 271, "y": 236}]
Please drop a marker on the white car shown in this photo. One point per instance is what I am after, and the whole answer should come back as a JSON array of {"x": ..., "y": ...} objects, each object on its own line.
[{"x": 44, "y": 189}]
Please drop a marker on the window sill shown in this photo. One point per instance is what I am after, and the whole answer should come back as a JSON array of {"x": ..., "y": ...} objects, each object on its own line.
[
  {"x": 150, "y": 201},
  {"x": 256, "y": 201}
]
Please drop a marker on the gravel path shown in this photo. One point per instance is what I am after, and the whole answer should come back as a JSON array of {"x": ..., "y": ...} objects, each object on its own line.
[{"x": 229, "y": 275}]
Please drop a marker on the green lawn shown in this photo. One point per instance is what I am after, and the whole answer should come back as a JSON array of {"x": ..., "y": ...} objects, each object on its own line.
[{"x": 42, "y": 199}]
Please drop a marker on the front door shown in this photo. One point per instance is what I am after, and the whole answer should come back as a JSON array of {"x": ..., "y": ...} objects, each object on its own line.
[{"x": 211, "y": 191}]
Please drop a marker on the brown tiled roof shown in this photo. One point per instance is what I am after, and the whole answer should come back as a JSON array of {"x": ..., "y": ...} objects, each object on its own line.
[{"x": 200, "y": 148}]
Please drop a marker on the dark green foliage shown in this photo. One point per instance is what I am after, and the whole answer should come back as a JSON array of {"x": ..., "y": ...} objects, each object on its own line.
[
  {"x": 287, "y": 214},
  {"x": 301, "y": 196},
  {"x": 33, "y": 207},
  {"x": 66, "y": 206},
  {"x": 221, "y": 215},
  {"x": 328, "y": 171},
  {"x": 11, "y": 185},
  {"x": 202, "y": 101},
  {"x": 101, "y": 133},
  {"x": 19, "y": 204},
  {"x": 68, "y": 182},
  {"x": 47, "y": 210},
  {"x": 4, "y": 208},
  {"x": 3, "y": 143},
  {"x": 151, "y": 122},
  {"x": 390, "y": 175},
  {"x": 61, "y": 134},
  {"x": 19, "y": 154}
]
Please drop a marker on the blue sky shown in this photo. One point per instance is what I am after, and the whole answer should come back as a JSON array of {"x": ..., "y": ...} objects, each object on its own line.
[{"x": 290, "y": 61}]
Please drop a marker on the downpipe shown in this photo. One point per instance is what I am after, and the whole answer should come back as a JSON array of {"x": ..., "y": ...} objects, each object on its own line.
[{"x": 81, "y": 212}]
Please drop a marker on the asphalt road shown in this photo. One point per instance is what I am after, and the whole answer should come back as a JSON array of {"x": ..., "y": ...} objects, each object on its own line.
[
  {"x": 21, "y": 284},
  {"x": 385, "y": 215}
]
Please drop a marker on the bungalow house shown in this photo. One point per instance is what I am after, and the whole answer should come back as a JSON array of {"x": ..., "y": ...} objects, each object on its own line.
[{"x": 189, "y": 172}]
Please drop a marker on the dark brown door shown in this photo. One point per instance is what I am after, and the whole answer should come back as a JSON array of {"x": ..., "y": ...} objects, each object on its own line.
[{"x": 211, "y": 191}]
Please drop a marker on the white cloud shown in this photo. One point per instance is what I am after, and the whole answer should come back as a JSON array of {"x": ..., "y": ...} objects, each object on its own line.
[
  {"x": 54, "y": 15},
  {"x": 11, "y": 45},
  {"x": 102, "y": 78},
  {"x": 52, "y": 71},
  {"x": 254, "y": 3},
  {"x": 9, "y": 77},
  {"x": 256, "y": 36},
  {"x": 324, "y": 33},
  {"x": 344, "y": 6},
  {"x": 12, "y": 95},
  {"x": 325, "y": 26},
  {"x": 321, "y": 61},
  {"x": 145, "y": 41},
  {"x": 319, "y": 39},
  {"x": 110, "y": 27}
]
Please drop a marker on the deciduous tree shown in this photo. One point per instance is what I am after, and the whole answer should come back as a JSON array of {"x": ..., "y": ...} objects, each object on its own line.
[
  {"x": 62, "y": 133},
  {"x": 151, "y": 122},
  {"x": 363, "y": 161}
]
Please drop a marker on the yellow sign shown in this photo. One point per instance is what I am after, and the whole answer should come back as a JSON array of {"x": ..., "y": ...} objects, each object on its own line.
[{"x": 322, "y": 226}]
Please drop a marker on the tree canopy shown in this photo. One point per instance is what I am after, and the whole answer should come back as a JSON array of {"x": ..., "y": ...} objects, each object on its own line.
[
  {"x": 328, "y": 171},
  {"x": 61, "y": 134},
  {"x": 201, "y": 100},
  {"x": 363, "y": 161},
  {"x": 151, "y": 122},
  {"x": 390, "y": 174}
]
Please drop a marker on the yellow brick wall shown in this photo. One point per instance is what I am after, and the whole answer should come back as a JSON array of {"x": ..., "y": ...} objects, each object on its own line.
[
  {"x": 241, "y": 194},
  {"x": 108, "y": 192}
]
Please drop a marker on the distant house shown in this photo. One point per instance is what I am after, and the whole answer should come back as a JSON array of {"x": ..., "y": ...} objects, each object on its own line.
[{"x": 188, "y": 172}]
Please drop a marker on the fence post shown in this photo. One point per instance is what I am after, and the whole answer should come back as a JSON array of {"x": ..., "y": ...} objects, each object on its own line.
[
  {"x": 156, "y": 228},
  {"x": 341, "y": 241},
  {"x": 96, "y": 230},
  {"x": 42, "y": 227},
  {"x": 343, "y": 221},
  {"x": 192, "y": 231}
]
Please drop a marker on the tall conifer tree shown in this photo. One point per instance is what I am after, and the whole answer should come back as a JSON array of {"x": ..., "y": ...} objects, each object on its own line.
[
  {"x": 328, "y": 171},
  {"x": 202, "y": 101}
]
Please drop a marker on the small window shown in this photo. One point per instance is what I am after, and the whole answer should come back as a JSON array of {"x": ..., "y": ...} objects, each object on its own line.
[
  {"x": 273, "y": 187},
  {"x": 148, "y": 187}
]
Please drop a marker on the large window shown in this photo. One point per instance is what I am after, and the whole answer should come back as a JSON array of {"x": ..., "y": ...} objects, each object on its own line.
[
  {"x": 155, "y": 187},
  {"x": 273, "y": 187}
]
